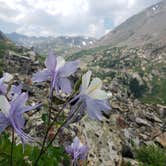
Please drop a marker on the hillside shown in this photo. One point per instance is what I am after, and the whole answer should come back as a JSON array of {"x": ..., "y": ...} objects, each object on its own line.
[
  {"x": 15, "y": 57},
  {"x": 133, "y": 62},
  {"x": 149, "y": 26}
]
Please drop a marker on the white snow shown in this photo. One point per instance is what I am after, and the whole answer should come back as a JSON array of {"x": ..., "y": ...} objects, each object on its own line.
[
  {"x": 84, "y": 43},
  {"x": 153, "y": 8},
  {"x": 91, "y": 42}
]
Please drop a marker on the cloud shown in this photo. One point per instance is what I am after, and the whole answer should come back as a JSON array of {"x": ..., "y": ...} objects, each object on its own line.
[{"x": 67, "y": 17}]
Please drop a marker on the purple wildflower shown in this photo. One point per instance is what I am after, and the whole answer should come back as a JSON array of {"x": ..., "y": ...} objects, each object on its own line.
[
  {"x": 11, "y": 114},
  {"x": 91, "y": 98},
  {"x": 14, "y": 91},
  {"x": 58, "y": 72},
  {"x": 77, "y": 150}
]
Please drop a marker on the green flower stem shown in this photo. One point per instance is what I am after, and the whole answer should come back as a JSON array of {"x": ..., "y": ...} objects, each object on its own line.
[
  {"x": 64, "y": 123},
  {"x": 45, "y": 137},
  {"x": 59, "y": 129},
  {"x": 12, "y": 146},
  {"x": 50, "y": 109}
]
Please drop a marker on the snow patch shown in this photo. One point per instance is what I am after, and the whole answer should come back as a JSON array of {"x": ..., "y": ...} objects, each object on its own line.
[
  {"x": 91, "y": 42},
  {"x": 83, "y": 43},
  {"x": 154, "y": 8}
]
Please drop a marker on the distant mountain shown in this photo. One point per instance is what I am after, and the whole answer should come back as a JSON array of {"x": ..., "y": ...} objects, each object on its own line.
[
  {"x": 149, "y": 26},
  {"x": 62, "y": 44}
]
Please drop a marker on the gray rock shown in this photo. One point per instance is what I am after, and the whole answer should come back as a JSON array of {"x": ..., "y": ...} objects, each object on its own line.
[{"x": 141, "y": 122}]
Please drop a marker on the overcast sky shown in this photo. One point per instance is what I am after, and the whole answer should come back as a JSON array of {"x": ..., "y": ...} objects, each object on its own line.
[{"x": 67, "y": 17}]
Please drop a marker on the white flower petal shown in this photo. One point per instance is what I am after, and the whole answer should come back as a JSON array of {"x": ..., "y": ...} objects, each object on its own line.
[
  {"x": 95, "y": 84},
  {"x": 7, "y": 77},
  {"x": 60, "y": 62},
  {"x": 98, "y": 94},
  {"x": 85, "y": 81},
  {"x": 4, "y": 105}
]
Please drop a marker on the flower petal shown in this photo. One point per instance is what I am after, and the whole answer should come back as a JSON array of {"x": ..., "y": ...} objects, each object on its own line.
[
  {"x": 60, "y": 62},
  {"x": 4, "y": 122},
  {"x": 68, "y": 68},
  {"x": 103, "y": 105},
  {"x": 14, "y": 91},
  {"x": 4, "y": 105},
  {"x": 19, "y": 102},
  {"x": 85, "y": 81},
  {"x": 41, "y": 76},
  {"x": 51, "y": 62},
  {"x": 77, "y": 150},
  {"x": 76, "y": 143},
  {"x": 18, "y": 119},
  {"x": 22, "y": 134},
  {"x": 65, "y": 85},
  {"x": 28, "y": 108},
  {"x": 98, "y": 94},
  {"x": 93, "y": 110},
  {"x": 95, "y": 84},
  {"x": 83, "y": 152}
]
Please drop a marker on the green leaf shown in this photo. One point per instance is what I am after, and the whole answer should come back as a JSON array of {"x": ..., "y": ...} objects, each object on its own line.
[
  {"x": 77, "y": 85},
  {"x": 52, "y": 157},
  {"x": 45, "y": 118}
]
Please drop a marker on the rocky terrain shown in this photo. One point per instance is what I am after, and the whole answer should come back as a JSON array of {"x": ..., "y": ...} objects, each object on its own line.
[
  {"x": 61, "y": 45},
  {"x": 140, "y": 70},
  {"x": 131, "y": 60},
  {"x": 130, "y": 124},
  {"x": 136, "y": 78}
]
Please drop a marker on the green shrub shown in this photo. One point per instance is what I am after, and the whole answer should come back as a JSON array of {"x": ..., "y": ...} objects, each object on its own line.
[
  {"x": 137, "y": 89},
  {"x": 151, "y": 155}
]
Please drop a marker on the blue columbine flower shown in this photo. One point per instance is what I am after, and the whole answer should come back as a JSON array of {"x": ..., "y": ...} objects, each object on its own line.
[
  {"x": 77, "y": 150},
  {"x": 11, "y": 114},
  {"x": 58, "y": 72},
  {"x": 91, "y": 98}
]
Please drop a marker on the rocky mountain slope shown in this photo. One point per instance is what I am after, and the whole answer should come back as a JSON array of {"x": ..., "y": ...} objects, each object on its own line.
[
  {"x": 139, "y": 64},
  {"x": 130, "y": 124},
  {"x": 138, "y": 72},
  {"x": 131, "y": 60},
  {"x": 135, "y": 75},
  {"x": 149, "y": 26},
  {"x": 15, "y": 58},
  {"x": 61, "y": 44}
]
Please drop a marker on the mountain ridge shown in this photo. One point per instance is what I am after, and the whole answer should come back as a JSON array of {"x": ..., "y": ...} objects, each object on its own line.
[
  {"x": 60, "y": 44},
  {"x": 140, "y": 29}
]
